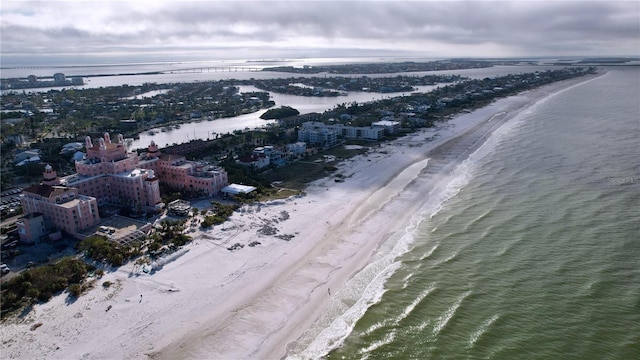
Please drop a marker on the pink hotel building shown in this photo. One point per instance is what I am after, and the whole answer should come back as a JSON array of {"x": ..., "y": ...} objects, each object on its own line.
[
  {"x": 179, "y": 173},
  {"x": 111, "y": 175},
  {"x": 50, "y": 204}
]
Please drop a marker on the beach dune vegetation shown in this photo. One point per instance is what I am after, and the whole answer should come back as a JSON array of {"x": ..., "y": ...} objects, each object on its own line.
[
  {"x": 41, "y": 283},
  {"x": 169, "y": 232},
  {"x": 99, "y": 248},
  {"x": 221, "y": 213}
]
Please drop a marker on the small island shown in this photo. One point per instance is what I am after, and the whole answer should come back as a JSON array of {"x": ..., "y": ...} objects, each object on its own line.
[{"x": 279, "y": 113}]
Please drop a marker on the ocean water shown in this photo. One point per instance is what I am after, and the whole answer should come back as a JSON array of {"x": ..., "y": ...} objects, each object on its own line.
[{"x": 535, "y": 254}]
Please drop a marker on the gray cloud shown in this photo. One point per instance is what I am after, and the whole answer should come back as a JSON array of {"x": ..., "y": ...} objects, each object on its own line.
[{"x": 309, "y": 28}]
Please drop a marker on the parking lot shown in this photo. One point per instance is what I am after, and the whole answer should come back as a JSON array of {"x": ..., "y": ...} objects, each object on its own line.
[
  {"x": 24, "y": 256},
  {"x": 10, "y": 202}
]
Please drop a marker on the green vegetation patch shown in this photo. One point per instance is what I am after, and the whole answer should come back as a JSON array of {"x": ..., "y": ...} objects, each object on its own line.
[
  {"x": 279, "y": 113},
  {"x": 300, "y": 173},
  {"x": 221, "y": 213},
  {"x": 43, "y": 282},
  {"x": 279, "y": 194},
  {"x": 99, "y": 248},
  {"x": 170, "y": 233}
]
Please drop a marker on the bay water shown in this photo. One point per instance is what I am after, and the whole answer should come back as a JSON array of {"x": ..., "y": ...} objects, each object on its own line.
[
  {"x": 537, "y": 256},
  {"x": 105, "y": 75}
]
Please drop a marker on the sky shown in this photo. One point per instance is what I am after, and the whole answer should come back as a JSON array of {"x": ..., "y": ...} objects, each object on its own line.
[{"x": 100, "y": 32}]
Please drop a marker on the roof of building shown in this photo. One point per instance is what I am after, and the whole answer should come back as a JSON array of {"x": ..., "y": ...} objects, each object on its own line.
[
  {"x": 32, "y": 215},
  {"x": 27, "y": 151},
  {"x": 238, "y": 189},
  {"x": 108, "y": 146},
  {"x": 385, "y": 123},
  {"x": 119, "y": 229},
  {"x": 47, "y": 190},
  {"x": 73, "y": 145},
  {"x": 70, "y": 204},
  {"x": 170, "y": 157},
  {"x": 35, "y": 159}
]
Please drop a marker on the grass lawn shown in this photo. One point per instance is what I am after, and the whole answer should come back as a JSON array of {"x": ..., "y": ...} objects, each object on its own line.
[{"x": 297, "y": 175}]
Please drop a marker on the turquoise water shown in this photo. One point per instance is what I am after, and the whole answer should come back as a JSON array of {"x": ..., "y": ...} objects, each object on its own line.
[{"x": 538, "y": 256}]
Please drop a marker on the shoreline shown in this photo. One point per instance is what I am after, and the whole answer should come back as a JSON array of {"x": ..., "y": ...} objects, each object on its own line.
[{"x": 265, "y": 301}]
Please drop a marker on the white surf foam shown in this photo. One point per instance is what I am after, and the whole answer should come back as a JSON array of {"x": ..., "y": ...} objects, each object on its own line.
[
  {"x": 387, "y": 339},
  {"x": 334, "y": 333},
  {"x": 428, "y": 253},
  {"x": 444, "y": 319},
  {"x": 376, "y": 326},
  {"x": 409, "y": 309},
  {"x": 483, "y": 329}
]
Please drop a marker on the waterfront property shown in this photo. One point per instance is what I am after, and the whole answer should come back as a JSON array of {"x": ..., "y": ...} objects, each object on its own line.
[
  {"x": 179, "y": 173},
  {"x": 110, "y": 175},
  {"x": 120, "y": 229},
  {"x": 315, "y": 132},
  {"x": 389, "y": 124},
  {"x": 235, "y": 189},
  {"x": 50, "y": 206},
  {"x": 358, "y": 132},
  {"x": 119, "y": 177}
]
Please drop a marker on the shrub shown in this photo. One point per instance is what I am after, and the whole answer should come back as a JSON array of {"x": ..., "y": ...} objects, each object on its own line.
[
  {"x": 42, "y": 282},
  {"x": 102, "y": 249},
  {"x": 26, "y": 286},
  {"x": 154, "y": 246},
  {"x": 106, "y": 284},
  {"x": 181, "y": 239},
  {"x": 32, "y": 293},
  {"x": 9, "y": 298},
  {"x": 208, "y": 222},
  {"x": 75, "y": 290},
  {"x": 116, "y": 259},
  {"x": 44, "y": 296}
]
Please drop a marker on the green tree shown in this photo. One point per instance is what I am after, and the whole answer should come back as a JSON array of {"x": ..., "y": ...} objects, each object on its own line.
[{"x": 279, "y": 113}]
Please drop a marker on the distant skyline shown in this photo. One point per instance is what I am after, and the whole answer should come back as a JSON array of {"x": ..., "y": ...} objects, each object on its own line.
[{"x": 99, "y": 32}]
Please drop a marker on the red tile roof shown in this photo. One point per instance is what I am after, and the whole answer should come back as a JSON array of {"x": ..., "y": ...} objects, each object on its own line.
[{"x": 47, "y": 191}]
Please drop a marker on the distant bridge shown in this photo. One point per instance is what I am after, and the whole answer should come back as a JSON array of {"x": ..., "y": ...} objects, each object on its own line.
[{"x": 34, "y": 67}]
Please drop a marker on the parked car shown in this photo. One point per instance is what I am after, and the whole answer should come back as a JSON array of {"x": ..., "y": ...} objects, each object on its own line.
[{"x": 4, "y": 268}]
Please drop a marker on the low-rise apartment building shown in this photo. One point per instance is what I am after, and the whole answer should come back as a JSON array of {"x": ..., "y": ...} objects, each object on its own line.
[{"x": 315, "y": 132}]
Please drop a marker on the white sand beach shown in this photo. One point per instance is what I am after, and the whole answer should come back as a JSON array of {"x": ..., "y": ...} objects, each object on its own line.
[{"x": 272, "y": 300}]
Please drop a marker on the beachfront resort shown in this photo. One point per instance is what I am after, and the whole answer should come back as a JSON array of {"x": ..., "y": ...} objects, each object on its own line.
[{"x": 109, "y": 174}]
